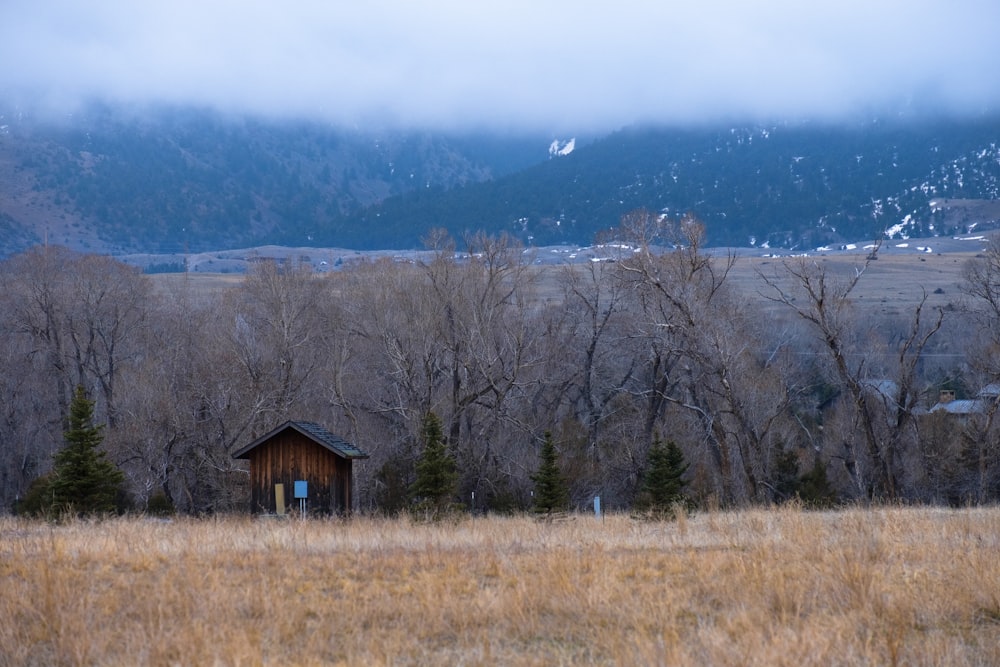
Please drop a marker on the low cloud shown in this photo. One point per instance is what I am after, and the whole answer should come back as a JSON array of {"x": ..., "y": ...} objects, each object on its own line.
[{"x": 518, "y": 64}]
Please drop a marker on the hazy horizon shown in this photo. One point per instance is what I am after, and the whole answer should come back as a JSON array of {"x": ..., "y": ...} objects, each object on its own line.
[{"x": 557, "y": 66}]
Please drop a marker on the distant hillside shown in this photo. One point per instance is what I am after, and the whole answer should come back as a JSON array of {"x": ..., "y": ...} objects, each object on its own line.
[
  {"x": 163, "y": 180},
  {"x": 175, "y": 179},
  {"x": 785, "y": 185}
]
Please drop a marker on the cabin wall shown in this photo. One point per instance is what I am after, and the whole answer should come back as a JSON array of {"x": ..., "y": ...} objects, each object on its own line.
[{"x": 290, "y": 456}]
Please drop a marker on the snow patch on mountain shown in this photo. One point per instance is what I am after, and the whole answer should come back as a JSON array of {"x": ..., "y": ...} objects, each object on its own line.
[{"x": 559, "y": 148}]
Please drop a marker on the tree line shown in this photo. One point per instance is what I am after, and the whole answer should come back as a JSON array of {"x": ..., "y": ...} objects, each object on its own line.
[{"x": 617, "y": 367}]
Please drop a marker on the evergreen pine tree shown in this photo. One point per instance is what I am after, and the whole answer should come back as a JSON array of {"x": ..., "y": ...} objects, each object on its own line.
[
  {"x": 785, "y": 474},
  {"x": 662, "y": 483},
  {"x": 551, "y": 494},
  {"x": 84, "y": 480},
  {"x": 392, "y": 485},
  {"x": 814, "y": 487},
  {"x": 436, "y": 479}
]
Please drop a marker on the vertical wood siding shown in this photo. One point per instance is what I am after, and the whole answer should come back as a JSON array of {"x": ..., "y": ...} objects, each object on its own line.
[{"x": 291, "y": 456}]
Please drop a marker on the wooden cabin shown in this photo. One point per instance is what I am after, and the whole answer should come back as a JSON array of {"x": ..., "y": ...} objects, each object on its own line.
[{"x": 301, "y": 459}]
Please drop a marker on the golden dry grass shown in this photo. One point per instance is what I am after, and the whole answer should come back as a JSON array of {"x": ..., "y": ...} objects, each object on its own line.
[
  {"x": 894, "y": 283},
  {"x": 759, "y": 587}
]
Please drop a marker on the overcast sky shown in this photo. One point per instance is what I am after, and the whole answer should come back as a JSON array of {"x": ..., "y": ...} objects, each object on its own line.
[{"x": 538, "y": 64}]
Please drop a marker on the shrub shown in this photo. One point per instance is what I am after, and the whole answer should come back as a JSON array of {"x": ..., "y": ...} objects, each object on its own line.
[
  {"x": 37, "y": 501},
  {"x": 159, "y": 505}
]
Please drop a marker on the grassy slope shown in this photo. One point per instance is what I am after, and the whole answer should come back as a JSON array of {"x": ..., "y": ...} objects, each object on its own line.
[
  {"x": 894, "y": 283},
  {"x": 759, "y": 587}
]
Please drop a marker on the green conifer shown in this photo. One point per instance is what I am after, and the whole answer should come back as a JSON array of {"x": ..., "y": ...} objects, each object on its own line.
[
  {"x": 663, "y": 483},
  {"x": 815, "y": 488},
  {"x": 785, "y": 474},
  {"x": 84, "y": 480},
  {"x": 551, "y": 494},
  {"x": 436, "y": 480}
]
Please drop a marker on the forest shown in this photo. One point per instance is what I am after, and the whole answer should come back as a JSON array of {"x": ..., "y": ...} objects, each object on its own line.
[
  {"x": 167, "y": 180},
  {"x": 797, "y": 392}
]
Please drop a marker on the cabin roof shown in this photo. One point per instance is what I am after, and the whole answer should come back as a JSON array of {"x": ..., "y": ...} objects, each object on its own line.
[
  {"x": 314, "y": 432},
  {"x": 961, "y": 407}
]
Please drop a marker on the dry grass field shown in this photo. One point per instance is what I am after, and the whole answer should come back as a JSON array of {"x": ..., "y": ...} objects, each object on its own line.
[
  {"x": 890, "y": 586},
  {"x": 892, "y": 284}
]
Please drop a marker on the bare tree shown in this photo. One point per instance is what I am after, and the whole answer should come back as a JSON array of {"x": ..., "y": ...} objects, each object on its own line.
[
  {"x": 107, "y": 309},
  {"x": 982, "y": 283},
  {"x": 882, "y": 399},
  {"x": 35, "y": 287},
  {"x": 981, "y": 434},
  {"x": 703, "y": 358},
  {"x": 451, "y": 335},
  {"x": 597, "y": 353},
  {"x": 30, "y": 422},
  {"x": 481, "y": 320},
  {"x": 277, "y": 337},
  {"x": 71, "y": 320},
  {"x": 82, "y": 311}
]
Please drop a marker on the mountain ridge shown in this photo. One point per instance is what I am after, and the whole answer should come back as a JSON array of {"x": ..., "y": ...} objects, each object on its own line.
[
  {"x": 160, "y": 180},
  {"x": 185, "y": 179},
  {"x": 786, "y": 186}
]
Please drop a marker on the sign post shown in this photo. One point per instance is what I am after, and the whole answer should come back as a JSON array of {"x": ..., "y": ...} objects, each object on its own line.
[{"x": 301, "y": 493}]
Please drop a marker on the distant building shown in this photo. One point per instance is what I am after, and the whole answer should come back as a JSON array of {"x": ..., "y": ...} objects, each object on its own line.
[
  {"x": 981, "y": 404},
  {"x": 301, "y": 458}
]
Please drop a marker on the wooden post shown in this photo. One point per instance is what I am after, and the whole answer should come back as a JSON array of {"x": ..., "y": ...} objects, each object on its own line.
[
  {"x": 349, "y": 496},
  {"x": 279, "y": 499}
]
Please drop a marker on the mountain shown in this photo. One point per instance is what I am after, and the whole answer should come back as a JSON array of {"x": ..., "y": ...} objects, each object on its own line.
[
  {"x": 168, "y": 180},
  {"x": 785, "y": 185},
  {"x": 163, "y": 180}
]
